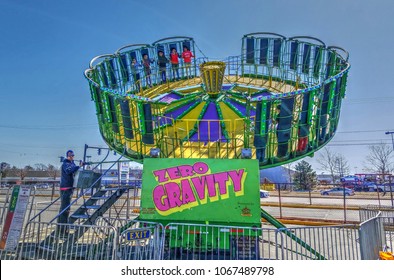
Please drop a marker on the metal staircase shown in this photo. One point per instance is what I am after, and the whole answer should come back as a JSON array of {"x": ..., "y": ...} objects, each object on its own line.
[{"x": 87, "y": 214}]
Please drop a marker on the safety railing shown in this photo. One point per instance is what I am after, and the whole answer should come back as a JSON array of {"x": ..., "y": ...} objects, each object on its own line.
[
  {"x": 138, "y": 240},
  {"x": 141, "y": 241},
  {"x": 330, "y": 203},
  {"x": 47, "y": 241},
  {"x": 371, "y": 238},
  {"x": 370, "y": 211},
  {"x": 388, "y": 228},
  {"x": 331, "y": 242},
  {"x": 93, "y": 184},
  {"x": 126, "y": 239},
  {"x": 215, "y": 242}
]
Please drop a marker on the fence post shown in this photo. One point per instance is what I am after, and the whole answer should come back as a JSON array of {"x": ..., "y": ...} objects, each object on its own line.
[
  {"x": 344, "y": 205},
  {"x": 280, "y": 202},
  {"x": 391, "y": 190},
  {"x": 53, "y": 191}
]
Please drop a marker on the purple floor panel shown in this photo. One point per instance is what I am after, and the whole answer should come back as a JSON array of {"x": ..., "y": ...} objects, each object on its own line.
[
  {"x": 168, "y": 117},
  {"x": 170, "y": 97},
  {"x": 240, "y": 107},
  {"x": 227, "y": 87},
  {"x": 208, "y": 130}
]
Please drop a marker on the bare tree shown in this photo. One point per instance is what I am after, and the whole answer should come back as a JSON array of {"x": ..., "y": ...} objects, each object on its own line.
[
  {"x": 53, "y": 171},
  {"x": 22, "y": 172},
  {"x": 341, "y": 165},
  {"x": 335, "y": 164},
  {"x": 40, "y": 167},
  {"x": 28, "y": 168},
  {"x": 327, "y": 161},
  {"x": 380, "y": 158}
]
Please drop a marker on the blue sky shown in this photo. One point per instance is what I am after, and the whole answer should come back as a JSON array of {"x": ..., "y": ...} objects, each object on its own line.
[{"x": 45, "y": 46}]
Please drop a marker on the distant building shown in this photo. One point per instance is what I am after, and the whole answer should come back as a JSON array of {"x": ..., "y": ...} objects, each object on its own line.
[
  {"x": 278, "y": 175},
  {"x": 325, "y": 179},
  {"x": 30, "y": 176}
]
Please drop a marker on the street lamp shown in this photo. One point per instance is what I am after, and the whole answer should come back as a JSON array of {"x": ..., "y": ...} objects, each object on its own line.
[{"x": 392, "y": 137}]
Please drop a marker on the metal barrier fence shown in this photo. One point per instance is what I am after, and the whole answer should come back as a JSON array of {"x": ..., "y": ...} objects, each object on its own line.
[
  {"x": 138, "y": 240},
  {"x": 328, "y": 242},
  {"x": 321, "y": 204},
  {"x": 124, "y": 239},
  {"x": 141, "y": 241},
  {"x": 117, "y": 236},
  {"x": 131, "y": 240},
  {"x": 216, "y": 242},
  {"x": 371, "y": 211},
  {"x": 371, "y": 237},
  {"x": 45, "y": 241},
  {"x": 376, "y": 234},
  {"x": 49, "y": 242},
  {"x": 242, "y": 243},
  {"x": 5, "y": 198},
  {"x": 388, "y": 227}
]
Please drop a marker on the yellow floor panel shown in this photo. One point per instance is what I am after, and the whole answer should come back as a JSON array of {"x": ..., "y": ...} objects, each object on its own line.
[
  {"x": 233, "y": 122},
  {"x": 169, "y": 138}
]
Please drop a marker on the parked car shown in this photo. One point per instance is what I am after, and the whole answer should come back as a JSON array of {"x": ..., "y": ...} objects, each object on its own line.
[
  {"x": 364, "y": 187},
  {"x": 264, "y": 194},
  {"x": 350, "y": 178},
  {"x": 369, "y": 186},
  {"x": 338, "y": 191},
  {"x": 387, "y": 187},
  {"x": 42, "y": 186}
]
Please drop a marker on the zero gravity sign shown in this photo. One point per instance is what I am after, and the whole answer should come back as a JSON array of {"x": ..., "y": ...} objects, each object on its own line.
[{"x": 201, "y": 190}]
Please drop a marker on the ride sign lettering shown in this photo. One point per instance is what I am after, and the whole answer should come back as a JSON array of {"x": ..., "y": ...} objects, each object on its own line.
[{"x": 190, "y": 185}]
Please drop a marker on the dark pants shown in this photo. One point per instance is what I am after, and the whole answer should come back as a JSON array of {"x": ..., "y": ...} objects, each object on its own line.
[
  {"x": 163, "y": 74},
  {"x": 137, "y": 81},
  {"x": 65, "y": 198},
  {"x": 175, "y": 70}
]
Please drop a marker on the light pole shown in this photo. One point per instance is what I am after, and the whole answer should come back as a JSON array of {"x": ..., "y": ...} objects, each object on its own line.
[{"x": 392, "y": 136}]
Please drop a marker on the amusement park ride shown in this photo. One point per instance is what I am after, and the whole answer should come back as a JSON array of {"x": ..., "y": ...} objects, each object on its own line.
[
  {"x": 202, "y": 138},
  {"x": 203, "y": 130},
  {"x": 280, "y": 99}
]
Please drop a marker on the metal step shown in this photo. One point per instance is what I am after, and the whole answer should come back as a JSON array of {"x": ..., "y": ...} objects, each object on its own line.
[
  {"x": 109, "y": 189},
  {"x": 100, "y": 197},
  {"x": 91, "y": 206},
  {"x": 80, "y": 216},
  {"x": 46, "y": 248}
]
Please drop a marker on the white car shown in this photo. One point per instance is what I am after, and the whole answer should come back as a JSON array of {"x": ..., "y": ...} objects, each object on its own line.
[
  {"x": 350, "y": 178},
  {"x": 338, "y": 191},
  {"x": 264, "y": 194},
  {"x": 42, "y": 186}
]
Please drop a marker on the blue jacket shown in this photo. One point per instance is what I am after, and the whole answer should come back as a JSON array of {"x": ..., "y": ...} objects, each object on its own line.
[{"x": 68, "y": 170}]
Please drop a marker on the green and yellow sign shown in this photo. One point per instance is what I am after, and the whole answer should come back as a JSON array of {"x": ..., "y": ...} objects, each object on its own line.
[{"x": 204, "y": 190}]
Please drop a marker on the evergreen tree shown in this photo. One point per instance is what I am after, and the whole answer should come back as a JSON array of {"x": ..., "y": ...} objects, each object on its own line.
[{"x": 305, "y": 177}]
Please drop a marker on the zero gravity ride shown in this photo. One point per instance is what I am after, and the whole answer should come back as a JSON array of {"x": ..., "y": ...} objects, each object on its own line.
[
  {"x": 280, "y": 98},
  {"x": 204, "y": 135}
]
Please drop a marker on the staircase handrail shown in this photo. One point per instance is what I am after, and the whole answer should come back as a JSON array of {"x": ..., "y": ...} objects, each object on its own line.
[{"x": 83, "y": 192}]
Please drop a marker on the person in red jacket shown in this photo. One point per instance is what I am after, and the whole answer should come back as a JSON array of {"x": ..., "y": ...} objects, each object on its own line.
[
  {"x": 174, "y": 59},
  {"x": 187, "y": 59}
]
